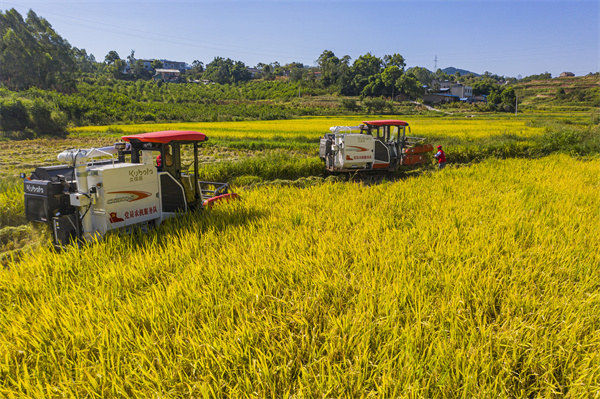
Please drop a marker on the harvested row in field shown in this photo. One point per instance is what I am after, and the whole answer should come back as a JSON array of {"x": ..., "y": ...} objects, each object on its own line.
[
  {"x": 479, "y": 281},
  {"x": 239, "y": 142}
]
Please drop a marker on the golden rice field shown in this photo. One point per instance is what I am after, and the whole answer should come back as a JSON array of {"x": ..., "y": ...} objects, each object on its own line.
[
  {"x": 298, "y": 138},
  {"x": 479, "y": 281},
  {"x": 314, "y": 127}
]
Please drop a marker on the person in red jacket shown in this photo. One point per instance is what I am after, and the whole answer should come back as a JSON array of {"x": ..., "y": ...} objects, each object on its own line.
[
  {"x": 168, "y": 159},
  {"x": 441, "y": 157}
]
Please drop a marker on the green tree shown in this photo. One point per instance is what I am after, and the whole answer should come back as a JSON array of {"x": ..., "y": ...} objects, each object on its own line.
[
  {"x": 441, "y": 75},
  {"x": 345, "y": 81},
  {"x": 390, "y": 77},
  {"x": 198, "y": 66},
  {"x": 502, "y": 99},
  {"x": 423, "y": 75},
  {"x": 377, "y": 104},
  {"x": 57, "y": 65},
  {"x": 195, "y": 72},
  {"x": 374, "y": 87},
  {"x": 221, "y": 70},
  {"x": 139, "y": 71},
  {"x": 218, "y": 70},
  {"x": 85, "y": 63},
  {"x": 363, "y": 68},
  {"x": 13, "y": 116},
  {"x": 277, "y": 70},
  {"x": 111, "y": 57},
  {"x": 394, "y": 60},
  {"x": 508, "y": 98},
  {"x": 14, "y": 73},
  {"x": 239, "y": 72},
  {"x": 42, "y": 120},
  {"x": 266, "y": 70},
  {"x": 410, "y": 86},
  {"x": 131, "y": 58},
  {"x": 117, "y": 68},
  {"x": 542, "y": 76},
  {"x": 297, "y": 73},
  {"x": 33, "y": 54},
  {"x": 329, "y": 65},
  {"x": 156, "y": 64},
  {"x": 350, "y": 104},
  {"x": 484, "y": 86}
]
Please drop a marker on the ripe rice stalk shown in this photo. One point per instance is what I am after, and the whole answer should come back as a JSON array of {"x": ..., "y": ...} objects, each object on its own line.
[{"x": 478, "y": 281}]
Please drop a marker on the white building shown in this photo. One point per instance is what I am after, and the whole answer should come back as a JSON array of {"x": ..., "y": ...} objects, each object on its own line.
[
  {"x": 461, "y": 91},
  {"x": 167, "y": 75},
  {"x": 456, "y": 89},
  {"x": 166, "y": 64}
]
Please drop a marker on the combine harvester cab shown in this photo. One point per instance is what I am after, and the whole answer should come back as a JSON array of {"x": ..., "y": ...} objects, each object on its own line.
[
  {"x": 373, "y": 145},
  {"x": 89, "y": 196}
]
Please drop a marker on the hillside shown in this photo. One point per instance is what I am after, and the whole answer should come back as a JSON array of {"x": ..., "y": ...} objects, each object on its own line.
[
  {"x": 453, "y": 70},
  {"x": 578, "y": 90}
]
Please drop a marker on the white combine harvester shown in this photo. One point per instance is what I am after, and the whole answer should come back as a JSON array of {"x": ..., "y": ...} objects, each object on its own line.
[
  {"x": 94, "y": 192},
  {"x": 373, "y": 145}
]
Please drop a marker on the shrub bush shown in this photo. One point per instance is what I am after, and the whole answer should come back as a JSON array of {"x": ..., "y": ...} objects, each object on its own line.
[
  {"x": 376, "y": 104},
  {"x": 350, "y": 104},
  {"x": 13, "y": 116},
  {"x": 43, "y": 121}
]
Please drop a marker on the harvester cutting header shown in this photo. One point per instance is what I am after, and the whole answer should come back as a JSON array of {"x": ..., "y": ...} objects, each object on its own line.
[
  {"x": 373, "y": 145},
  {"x": 90, "y": 195}
]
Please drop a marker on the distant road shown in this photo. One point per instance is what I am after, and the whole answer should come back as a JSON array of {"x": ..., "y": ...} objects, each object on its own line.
[{"x": 431, "y": 108}]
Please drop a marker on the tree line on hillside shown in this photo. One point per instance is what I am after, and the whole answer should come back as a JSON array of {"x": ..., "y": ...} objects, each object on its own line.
[
  {"x": 101, "y": 101},
  {"x": 32, "y": 54}
]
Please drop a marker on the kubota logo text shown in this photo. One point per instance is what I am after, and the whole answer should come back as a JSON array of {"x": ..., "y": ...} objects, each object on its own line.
[
  {"x": 138, "y": 174},
  {"x": 32, "y": 188}
]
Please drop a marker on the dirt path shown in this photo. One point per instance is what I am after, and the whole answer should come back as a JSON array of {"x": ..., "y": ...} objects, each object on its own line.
[{"x": 431, "y": 108}]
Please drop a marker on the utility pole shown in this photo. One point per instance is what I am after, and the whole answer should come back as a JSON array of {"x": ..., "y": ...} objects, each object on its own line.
[
  {"x": 516, "y": 103},
  {"x": 435, "y": 63}
]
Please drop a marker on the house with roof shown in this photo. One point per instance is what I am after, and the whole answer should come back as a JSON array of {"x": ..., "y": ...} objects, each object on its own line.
[
  {"x": 448, "y": 91},
  {"x": 167, "y": 75},
  {"x": 254, "y": 72},
  {"x": 166, "y": 64},
  {"x": 179, "y": 65}
]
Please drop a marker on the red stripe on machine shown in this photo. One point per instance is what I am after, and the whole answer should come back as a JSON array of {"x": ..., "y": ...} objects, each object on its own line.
[
  {"x": 360, "y": 149},
  {"x": 137, "y": 195}
]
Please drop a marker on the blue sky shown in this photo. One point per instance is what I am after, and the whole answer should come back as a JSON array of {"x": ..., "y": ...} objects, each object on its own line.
[{"x": 505, "y": 37}]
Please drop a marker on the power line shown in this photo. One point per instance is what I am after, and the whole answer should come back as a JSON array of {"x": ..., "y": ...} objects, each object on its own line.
[
  {"x": 159, "y": 37},
  {"x": 549, "y": 50}
]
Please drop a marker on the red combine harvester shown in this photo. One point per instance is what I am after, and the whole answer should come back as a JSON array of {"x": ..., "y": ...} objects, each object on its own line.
[
  {"x": 374, "y": 145},
  {"x": 94, "y": 192}
]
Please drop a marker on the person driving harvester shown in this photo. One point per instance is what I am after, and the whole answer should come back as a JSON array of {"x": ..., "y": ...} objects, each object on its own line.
[{"x": 168, "y": 158}]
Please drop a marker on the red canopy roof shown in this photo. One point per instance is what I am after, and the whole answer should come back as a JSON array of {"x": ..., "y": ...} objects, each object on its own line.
[
  {"x": 167, "y": 136},
  {"x": 390, "y": 122}
]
